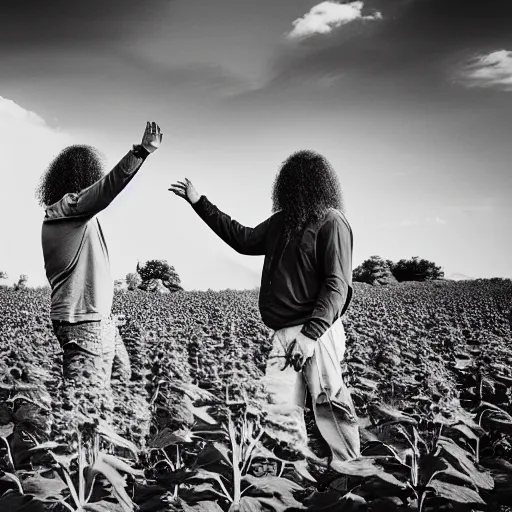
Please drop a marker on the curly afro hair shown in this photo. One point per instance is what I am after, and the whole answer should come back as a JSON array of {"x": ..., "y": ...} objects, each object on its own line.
[
  {"x": 72, "y": 170},
  {"x": 305, "y": 187}
]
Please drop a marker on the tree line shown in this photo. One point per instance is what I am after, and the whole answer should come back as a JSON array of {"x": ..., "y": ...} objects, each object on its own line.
[
  {"x": 378, "y": 271},
  {"x": 160, "y": 276}
]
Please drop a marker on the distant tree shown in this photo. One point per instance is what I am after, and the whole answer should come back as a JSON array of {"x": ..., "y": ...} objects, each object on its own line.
[
  {"x": 375, "y": 271},
  {"x": 417, "y": 269},
  {"x": 22, "y": 282},
  {"x": 160, "y": 269},
  {"x": 133, "y": 280},
  {"x": 3, "y": 275},
  {"x": 119, "y": 284}
]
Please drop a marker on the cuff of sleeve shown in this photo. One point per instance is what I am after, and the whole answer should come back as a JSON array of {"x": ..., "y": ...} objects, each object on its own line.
[
  {"x": 200, "y": 204},
  {"x": 204, "y": 208},
  {"x": 140, "y": 151},
  {"x": 311, "y": 331}
]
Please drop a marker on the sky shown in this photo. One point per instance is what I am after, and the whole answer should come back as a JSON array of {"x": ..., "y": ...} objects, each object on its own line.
[{"x": 410, "y": 101}]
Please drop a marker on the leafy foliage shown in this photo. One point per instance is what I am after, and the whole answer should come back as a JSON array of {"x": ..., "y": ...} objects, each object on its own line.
[
  {"x": 133, "y": 280},
  {"x": 374, "y": 271},
  {"x": 416, "y": 269},
  {"x": 159, "y": 270},
  {"x": 428, "y": 365}
]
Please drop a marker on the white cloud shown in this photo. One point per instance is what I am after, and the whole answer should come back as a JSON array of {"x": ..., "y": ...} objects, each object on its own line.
[
  {"x": 29, "y": 144},
  {"x": 491, "y": 70},
  {"x": 436, "y": 220},
  {"x": 326, "y": 16}
]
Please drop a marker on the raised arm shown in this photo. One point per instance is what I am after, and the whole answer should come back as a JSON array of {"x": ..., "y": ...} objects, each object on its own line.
[
  {"x": 335, "y": 248},
  {"x": 245, "y": 240},
  {"x": 98, "y": 196}
]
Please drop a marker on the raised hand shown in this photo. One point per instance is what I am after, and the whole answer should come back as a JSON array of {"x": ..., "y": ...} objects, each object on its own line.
[
  {"x": 185, "y": 190},
  {"x": 152, "y": 137}
]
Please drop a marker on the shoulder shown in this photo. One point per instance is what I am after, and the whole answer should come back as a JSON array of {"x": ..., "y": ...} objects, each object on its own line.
[
  {"x": 334, "y": 218},
  {"x": 63, "y": 207}
]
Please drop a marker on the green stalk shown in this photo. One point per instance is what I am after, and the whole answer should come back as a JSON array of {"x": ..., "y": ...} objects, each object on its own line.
[
  {"x": 178, "y": 467},
  {"x": 237, "y": 473},
  {"x": 81, "y": 482},
  {"x": 423, "y": 496},
  {"x": 9, "y": 454}
]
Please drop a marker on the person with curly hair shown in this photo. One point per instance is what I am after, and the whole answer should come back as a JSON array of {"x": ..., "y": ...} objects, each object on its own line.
[
  {"x": 306, "y": 287},
  {"x": 73, "y": 190}
]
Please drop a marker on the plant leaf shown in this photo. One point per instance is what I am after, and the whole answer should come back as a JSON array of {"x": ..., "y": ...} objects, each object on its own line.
[
  {"x": 365, "y": 467},
  {"x": 456, "y": 493},
  {"x": 115, "y": 479},
  {"x": 50, "y": 445},
  {"x": 392, "y": 415},
  {"x": 459, "y": 459},
  {"x": 202, "y": 414},
  {"x": 120, "y": 465},
  {"x": 103, "y": 506},
  {"x": 211, "y": 453},
  {"x": 13, "y": 501},
  {"x": 468, "y": 432},
  {"x": 11, "y": 477},
  {"x": 270, "y": 485},
  {"x": 203, "y": 474},
  {"x": 105, "y": 430},
  {"x": 6, "y": 430},
  {"x": 44, "y": 488},
  {"x": 201, "y": 506},
  {"x": 167, "y": 437},
  {"x": 197, "y": 493},
  {"x": 301, "y": 466}
]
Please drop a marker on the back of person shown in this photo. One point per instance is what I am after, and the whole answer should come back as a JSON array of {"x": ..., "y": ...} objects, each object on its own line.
[
  {"x": 73, "y": 191},
  {"x": 306, "y": 287},
  {"x": 77, "y": 265},
  {"x": 293, "y": 270}
]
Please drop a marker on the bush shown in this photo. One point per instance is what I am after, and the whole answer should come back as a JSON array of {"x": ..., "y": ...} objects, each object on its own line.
[
  {"x": 159, "y": 269},
  {"x": 374, "y": 271},
  {"x": 22, "y": 282},
  {"x": 133, "y": 280},
  {"x": 416, "y": 269}
]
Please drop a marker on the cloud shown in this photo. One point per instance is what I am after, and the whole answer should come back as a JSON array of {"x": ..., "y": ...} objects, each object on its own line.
[
  {"x": 415, "y": 47},
  {"x": 31, "y": 144},
  {"x": 436, "y": 220},
  {"x": 325, "y": 17},
  {"x": 492, "y": 70}
]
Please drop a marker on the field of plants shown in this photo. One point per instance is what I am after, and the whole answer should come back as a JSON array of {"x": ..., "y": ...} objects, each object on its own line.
[{"x": 428, "y": 364}]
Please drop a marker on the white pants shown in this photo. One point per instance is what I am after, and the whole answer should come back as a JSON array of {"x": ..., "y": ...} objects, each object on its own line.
[{"x": 322, "y": 377}]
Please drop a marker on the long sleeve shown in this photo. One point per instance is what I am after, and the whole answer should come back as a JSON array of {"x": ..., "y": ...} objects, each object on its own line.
[
  {"x": 250, "y": 241},
  {"x": 99, "y": 195},
  {"x": 334, "y": 248}
]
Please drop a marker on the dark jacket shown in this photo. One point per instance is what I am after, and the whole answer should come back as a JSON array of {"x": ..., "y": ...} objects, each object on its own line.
[{"x": 307, "y": 281}]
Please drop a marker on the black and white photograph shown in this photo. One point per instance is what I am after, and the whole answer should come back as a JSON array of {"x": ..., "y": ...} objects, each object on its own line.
[{"x": 256, "y": 256}]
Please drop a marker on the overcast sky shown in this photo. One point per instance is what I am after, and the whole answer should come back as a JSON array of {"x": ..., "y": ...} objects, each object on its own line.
[{"x": 410, "y": 100}]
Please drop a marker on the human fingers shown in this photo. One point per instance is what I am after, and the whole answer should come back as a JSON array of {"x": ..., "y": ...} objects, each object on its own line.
[
  {"x": 181, "y": 188},
  {"x": 178, "y": 193}
]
